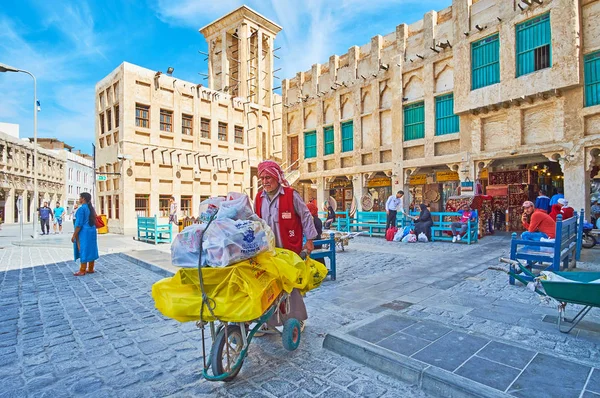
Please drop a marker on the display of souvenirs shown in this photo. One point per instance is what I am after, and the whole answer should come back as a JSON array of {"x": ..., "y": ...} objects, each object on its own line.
[
  {"x": 517, "y": 194},
  {"x": 514, "y": 218},
  {"x": 513, "y": 177},
  {"x": 367, "y": 202},
  {"x": 497, "y": 190},
  {"x": 481, "y": 203}
]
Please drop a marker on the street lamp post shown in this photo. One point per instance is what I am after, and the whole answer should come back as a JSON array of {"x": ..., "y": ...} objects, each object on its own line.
[{"x": 6, "y": 68}]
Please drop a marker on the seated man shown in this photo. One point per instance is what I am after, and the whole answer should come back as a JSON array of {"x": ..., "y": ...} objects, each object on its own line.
[
  {"x": 540, "y": 226},
  {"x": 467, "y": 215}
]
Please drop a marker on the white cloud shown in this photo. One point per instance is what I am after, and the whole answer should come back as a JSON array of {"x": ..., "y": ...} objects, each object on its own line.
[{"x": 312, "y": 30}]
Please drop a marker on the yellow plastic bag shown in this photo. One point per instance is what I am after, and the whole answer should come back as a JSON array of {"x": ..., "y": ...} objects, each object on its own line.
[{"x": 241, "y": 292}]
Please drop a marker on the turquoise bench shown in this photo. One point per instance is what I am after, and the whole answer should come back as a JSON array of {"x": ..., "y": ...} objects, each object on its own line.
[
  {"x": 148, "y": 230},
  {"x": 341, "y": 222},
  {"x": 442, "y": 222},
  {"x": 374, "y": 222}
]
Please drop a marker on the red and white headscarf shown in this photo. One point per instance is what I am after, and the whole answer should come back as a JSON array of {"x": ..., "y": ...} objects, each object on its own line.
[{"x": 272, "y": 169}]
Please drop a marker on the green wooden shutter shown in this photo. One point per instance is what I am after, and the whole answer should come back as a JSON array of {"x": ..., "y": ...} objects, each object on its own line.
[
  {"x": 446, "y": 122},
  {"x": 347, "y": 136},
  {"x": 534, "y": 45},
  {"x": 592, "y": 78},
  {"x": 414, "y": 121},
  {"x": 485, "y": 62},
  {"x": 310, "y": 144},
  {"x": 329, "y": 140}
]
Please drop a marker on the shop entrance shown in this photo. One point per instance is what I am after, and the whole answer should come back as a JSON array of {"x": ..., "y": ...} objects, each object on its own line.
[
  {"x": 379, "y": 189},
  {"x": 434, "y": 187},
  {"x": 342, "y": 191},
  {"x": 510, "y": 182}
]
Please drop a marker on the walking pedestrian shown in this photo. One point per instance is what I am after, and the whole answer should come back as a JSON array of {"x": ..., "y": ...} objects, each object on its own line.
[
  {"x": 58, "y": 218},
  {"x": 172, "y": 211},
  {"x": 85, "y": 238},
  {"x": 74, "y": 212},
  {"x": 45, "y": 213}
]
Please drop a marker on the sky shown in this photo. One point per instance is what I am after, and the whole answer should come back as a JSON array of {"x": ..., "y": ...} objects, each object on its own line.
[{"x": 71, "y": 45}]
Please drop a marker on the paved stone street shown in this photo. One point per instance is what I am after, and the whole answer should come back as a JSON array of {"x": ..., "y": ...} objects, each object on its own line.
[{"x": 100, "y": 335}]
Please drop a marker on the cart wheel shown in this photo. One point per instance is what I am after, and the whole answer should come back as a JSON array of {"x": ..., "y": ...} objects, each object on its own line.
[
  {"x": 588, "y": 241},
  {"x": 291, "y": 334},
  {"x": 219, "y": 362}
]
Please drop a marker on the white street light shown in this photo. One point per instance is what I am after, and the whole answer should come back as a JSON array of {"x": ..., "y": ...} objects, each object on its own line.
[{"x": 6, "y": 68}]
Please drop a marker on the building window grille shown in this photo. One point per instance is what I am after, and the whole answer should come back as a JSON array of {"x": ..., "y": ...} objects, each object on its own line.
[
  {"x": 186, "y": 124},
  {"x": 328, "y": 138},
  {"x": 116, "y": 207},
  {"x": 163, "y": 205},
  {"x": 109, "y": 119},
  {"x": 592, "y": 78},
  {"x": 485, "y": 62},
  {"x": 142, "y": 205},
  {"x": 222, "y": 131},
  {"x": 534, "y": 45},
  {"x": 109, "y": 199},
  {"x": 347, "y": 136},
  {"x": 102, "y": 123},
  {"x": 205, "y": 128},
  {"x": 310, "y": 144},
  {"x": 446, "y": 122},
  {"x": 166, "y": 121},
  {"x": 116, "y": 116},
  {"x": 142, "y": 116},
  {"x": 186, "y": 206},
  {"x": 414, "y": 121},
  {"x": 239, "y": 135}
]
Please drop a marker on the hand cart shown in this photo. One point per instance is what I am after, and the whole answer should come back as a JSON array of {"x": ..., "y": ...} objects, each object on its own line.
[{"x": 581, "y": 288}]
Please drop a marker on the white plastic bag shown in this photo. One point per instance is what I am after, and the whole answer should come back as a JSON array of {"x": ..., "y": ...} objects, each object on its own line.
[
  {"x": 399, "y": 235},
  {"x": 236, "y": 207},
  {"x": 422, "y": 238},
  {"x": 209, "y": 208},
  {"x": 186, "y": 246},
  {"x": 547, "y": 249},
  {"x": 229, "y": 241},
  {"x": 410, "y": 238}
]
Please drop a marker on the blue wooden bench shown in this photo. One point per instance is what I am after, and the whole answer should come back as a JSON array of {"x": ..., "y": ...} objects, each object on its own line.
[
  {"x": 341, "y": 222},
  {"x": 149, "y": 230},
  {"x": 374, "y": 222},
  {"x": 549, "y": 256},
  {"x": 443, "y": 220},
  {"x": 323, "y": 253}
]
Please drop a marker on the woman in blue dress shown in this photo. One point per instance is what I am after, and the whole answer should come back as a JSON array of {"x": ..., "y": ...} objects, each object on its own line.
[{"x": 85, "y": 238}]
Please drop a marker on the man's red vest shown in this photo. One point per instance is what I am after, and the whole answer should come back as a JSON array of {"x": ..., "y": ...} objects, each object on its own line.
[{"x": 290, "y": 224}]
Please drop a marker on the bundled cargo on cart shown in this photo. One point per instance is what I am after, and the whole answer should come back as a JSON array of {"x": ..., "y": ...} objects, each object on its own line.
[{"x": 238, "y": 282}]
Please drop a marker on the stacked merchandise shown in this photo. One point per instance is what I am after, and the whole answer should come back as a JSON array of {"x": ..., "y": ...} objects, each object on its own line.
[
  {"x": 481, "y": 203},
  {"x": 509, "y": 190}
]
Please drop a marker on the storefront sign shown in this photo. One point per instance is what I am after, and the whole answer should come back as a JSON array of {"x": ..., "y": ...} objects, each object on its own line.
[
  {"x": 418, "y": 179},
  {"x": 379, "y": 182},
  {"x": 484, "y": 174},
  {"x": 340, "y": 184},
  {"x": 442, "y": 176}
]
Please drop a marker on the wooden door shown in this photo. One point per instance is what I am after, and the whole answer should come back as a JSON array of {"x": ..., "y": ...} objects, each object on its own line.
[{"x": 294, "y": 152}]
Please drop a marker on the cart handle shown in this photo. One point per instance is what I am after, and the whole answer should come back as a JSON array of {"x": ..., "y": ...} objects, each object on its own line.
[{"x": 508, "y": 261}]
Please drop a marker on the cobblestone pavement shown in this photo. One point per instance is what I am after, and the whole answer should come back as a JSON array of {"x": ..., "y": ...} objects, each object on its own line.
[{"x": 100, "y": 335}]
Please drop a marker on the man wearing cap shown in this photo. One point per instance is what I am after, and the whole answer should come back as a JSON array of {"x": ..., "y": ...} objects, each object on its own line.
[
  {"x": 540, "y": 225},
  {"x": 285, "y": 212}
]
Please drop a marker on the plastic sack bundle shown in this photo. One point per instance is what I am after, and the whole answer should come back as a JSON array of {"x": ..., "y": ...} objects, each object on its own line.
[
  {"x": 422, "y": 238},
  {"x": 241, "y": 292},
  {"x": 236, "y": 234},
  {"x": 229, "y": 241}
]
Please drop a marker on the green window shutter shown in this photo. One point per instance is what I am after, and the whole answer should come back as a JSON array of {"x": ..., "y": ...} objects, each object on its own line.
[
  {"x": 310, "y": 144},
  {"x": 534, "y": 45},
  {"x": 414, "y": 121},
  {"x": 485, "y": 62},
  {"x": 446, "y": 122},
  {"x": 329, "y": 140},
  {"x": 347, "y": 136},
  {"x": 592, "y": 78}
]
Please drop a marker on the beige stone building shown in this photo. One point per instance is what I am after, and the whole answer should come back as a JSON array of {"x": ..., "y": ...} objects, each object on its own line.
[
  {"x": 158, "y": 136},
  {"x": 479, "y": 87},
  {"x": 16, "y": 178}
]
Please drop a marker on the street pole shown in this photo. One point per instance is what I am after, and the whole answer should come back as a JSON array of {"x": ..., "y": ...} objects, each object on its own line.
[
  {"x": 20, "y": 210},
  {"x": 6, "y": 68},
  {"x": 95, "y": 199}
]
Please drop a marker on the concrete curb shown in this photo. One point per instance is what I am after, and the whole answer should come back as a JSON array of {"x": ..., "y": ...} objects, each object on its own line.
[
  {"x": 146, "y": 265},
  {"x": 430, "y": 379}
]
